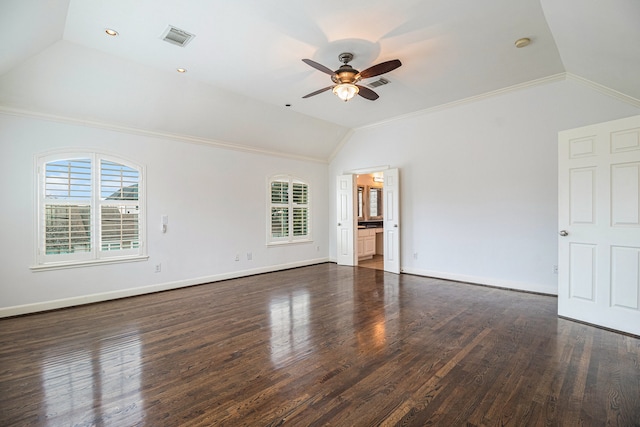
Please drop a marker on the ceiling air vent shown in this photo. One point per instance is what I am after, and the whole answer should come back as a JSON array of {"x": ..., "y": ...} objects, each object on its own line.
[
  {"x": 377, "y": 83},
  {"x": 176, "y": 36}
]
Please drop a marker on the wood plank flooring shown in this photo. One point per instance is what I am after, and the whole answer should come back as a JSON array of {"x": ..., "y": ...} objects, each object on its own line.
[
  {"x": 314, "y": 346},
  {"x": 377, "y": 262}
]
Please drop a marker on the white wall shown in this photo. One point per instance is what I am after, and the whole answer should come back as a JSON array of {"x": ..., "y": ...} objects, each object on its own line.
[
  {"x": 479, "y": 198},
  {"x": 479, "y": 182},
  {"x": 215, "y": 199}
]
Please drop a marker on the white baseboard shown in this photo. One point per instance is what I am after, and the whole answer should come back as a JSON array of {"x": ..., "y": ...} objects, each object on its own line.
[
  {"x": 476, "y": 280},
  {"x": 498, "y": 283},
  {"x": 124, "y": 293}
]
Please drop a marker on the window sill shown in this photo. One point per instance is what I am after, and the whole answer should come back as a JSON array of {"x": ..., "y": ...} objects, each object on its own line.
[
  {"x": 78, "y": 264},
  {"x": 289, "y": 242}
]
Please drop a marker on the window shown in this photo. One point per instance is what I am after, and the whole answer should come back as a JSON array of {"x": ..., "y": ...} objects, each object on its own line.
[
  {"x": 90, "y": 210},
  {"x": 288, "y": 210}
]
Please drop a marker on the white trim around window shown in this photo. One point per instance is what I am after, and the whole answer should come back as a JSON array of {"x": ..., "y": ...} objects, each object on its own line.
[
  {"x": 90, "y": 210},
  {"x": 288, "y": 210}
]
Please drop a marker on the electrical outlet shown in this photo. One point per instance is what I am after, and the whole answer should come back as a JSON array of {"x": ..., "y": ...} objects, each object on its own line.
[
  {"x": 158, "y": 268},
  {"x": 415, "y": 255},
  {"x": 249, "y": 256},
  {"x": 237, "y": 257},
  {"x": 555, "y": 269}
]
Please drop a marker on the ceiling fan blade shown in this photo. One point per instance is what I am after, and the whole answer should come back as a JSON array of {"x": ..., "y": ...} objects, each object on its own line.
[
  {"x": 318, "y": 67},
  {"x": 381, "y": 68},
  {"x": 324, "y": 89},
  {"x": 367, "y": 93}
]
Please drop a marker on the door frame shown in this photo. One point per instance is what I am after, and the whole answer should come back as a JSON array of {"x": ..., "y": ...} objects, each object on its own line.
[{"x": 363, "y": 171}]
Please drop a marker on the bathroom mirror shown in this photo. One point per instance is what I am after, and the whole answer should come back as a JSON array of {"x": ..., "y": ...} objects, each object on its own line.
[{"x": 375, "y": 203}]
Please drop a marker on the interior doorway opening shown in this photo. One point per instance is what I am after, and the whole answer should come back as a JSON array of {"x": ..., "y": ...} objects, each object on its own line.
[
  {"x": 370, "y": 220},
  {"x": 348, "y": 210}
]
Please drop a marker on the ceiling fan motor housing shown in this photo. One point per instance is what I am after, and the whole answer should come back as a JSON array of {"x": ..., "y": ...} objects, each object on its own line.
[{"x": 345, "y": 74}]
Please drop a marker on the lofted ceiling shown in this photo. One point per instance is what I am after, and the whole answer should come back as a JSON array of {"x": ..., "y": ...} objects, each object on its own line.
[{"x": 245, "y": 78}]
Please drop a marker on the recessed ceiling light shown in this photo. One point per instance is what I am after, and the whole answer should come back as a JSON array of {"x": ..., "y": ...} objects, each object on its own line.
[
  {"x": 111, "y": 32},
  {"x": 523, "y": 42},
  {"x": 181, "y": 70}
]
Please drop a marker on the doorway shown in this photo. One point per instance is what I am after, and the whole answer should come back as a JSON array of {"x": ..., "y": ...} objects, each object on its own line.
[{"x": 368, "y": 217}]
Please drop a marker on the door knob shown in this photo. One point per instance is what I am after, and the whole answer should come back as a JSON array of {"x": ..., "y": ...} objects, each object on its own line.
[
  {"x": 339, "y": 225},
  {"x": 563, "y": 233},
  {"x": 395, "y": 225}
]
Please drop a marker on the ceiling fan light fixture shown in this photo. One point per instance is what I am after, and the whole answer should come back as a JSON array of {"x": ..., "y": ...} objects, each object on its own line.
[
  {"x": 346, "y": 77},
  {"x": 346, "y": 91}
]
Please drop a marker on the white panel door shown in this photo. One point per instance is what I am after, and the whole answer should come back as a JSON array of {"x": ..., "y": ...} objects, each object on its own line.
[
  {"x": 599, "y": 220},
  {"x": 346, "y": 224},
  {"x": 391, "y": 200}
]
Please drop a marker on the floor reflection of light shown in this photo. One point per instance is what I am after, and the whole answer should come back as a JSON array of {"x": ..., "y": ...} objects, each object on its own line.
[
  {"x": 121, "y": 373},
  {"x": 379, "y": 334},
  {"x": 289, "y": 317},
  {"x": 95, "y": 386},
  {"x": 391, "y": 307},
  {"x": 376, "y": 319},
  {"x": 68, "y": 384}
]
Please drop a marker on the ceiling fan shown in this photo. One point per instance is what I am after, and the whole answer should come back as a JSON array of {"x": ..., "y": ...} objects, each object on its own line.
[{"x": 346, "y": 77}]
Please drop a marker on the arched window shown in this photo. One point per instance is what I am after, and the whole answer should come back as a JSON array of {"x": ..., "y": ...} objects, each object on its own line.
[
  {"x": 90, "y": 209},
  {"x": 289, "y": 218}
]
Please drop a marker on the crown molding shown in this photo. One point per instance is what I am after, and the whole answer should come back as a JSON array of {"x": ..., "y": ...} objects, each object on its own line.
[
  {"x": 471, "y": 99},
  {"x": 144, "y": 132},
  {"x": 604, "y": 90},
  {"x": 532, "y": 83}
]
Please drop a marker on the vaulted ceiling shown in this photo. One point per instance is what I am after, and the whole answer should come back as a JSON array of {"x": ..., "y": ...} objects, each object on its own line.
[{"x": 245, "y": 78}]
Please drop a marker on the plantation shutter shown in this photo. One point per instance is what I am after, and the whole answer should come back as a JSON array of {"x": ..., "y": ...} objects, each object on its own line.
[
  {"x": 90, "y": 209},
  {"x": 67, "y": 207},
  {"x": 300, "y": 209},
  {"x": 279, "y": 209},
  {"x": 288, "y": 210},
  {"x": 119, "y": 207}
]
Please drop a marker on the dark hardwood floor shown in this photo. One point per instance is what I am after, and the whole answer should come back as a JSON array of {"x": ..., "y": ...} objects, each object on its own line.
[{"x": 320, "y": 345}]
